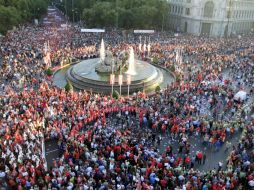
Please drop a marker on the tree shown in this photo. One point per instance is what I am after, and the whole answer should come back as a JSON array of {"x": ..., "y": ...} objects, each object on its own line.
[
  {"x": 68, "y": 87},
  {"x": 157, "y": 89},
  {"x": 38, "y": 7},
  {"x": 147, "y": 14},
  {"x": 14, "y": 12},
  {"x": 172, "y": 68},
  {"x": 49, "y": 72},
  {"x": 155, "y": 60},
  {"x": 9, "y": 17},
  {"x": 115, "y": 94},
  {"x": 126, "y": 18}
]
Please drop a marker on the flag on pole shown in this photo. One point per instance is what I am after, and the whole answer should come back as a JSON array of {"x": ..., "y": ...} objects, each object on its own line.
[
  {"x": 140, "y": 47},
  {"x": 112, "y": 79},
  {"x": 128, "y": 79},
  {"x": 120, "y": 79}
]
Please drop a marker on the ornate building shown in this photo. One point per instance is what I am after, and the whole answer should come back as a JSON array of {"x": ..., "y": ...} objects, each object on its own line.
[{"x": 212, "y": 17}]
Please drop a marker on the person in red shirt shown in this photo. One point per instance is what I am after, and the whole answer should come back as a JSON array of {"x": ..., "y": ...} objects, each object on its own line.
[
  {"x": 199, "y": 156},
  {"x": 187, "y": 162},
  {"x": 163, "y": 183}
]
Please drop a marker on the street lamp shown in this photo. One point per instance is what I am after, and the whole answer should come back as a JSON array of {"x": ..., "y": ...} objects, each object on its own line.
[
  {"x": 128, "y": 83},
  {"x": 229, "y": 16},
  {"x": 140, "y": 46},
  {"x": 144, "y": 49},
  {"x": 112, "y": 80},
  {"x": 72, "y": 5},
  {"x": 76, "y": 13},
  {"x": 117, "y": 14},
  {"x": 65, "y": 7},
  {"x": 120, "y": 79},
  {"x": 120, "y": 82},
  {"x": 148, "y": 47}
]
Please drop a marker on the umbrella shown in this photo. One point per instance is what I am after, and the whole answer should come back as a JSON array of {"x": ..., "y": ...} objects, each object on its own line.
[
  {"x": 199, "y": 155},
  {"x": 241, "y": 95}
]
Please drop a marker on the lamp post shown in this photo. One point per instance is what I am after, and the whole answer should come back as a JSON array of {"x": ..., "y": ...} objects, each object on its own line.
[
  {"x": 80, "y": 18},
  {"x": 65, "y": 7},
  {"x": 112, "y": 80},
  {"x": 120, "y": 82},
  {"x": 128, "y": 83},
  {"x": 72, "y": 5},
  {"x": 144, "y": 49},
  {"x": 117, "y": 14},
  {"x": 229, "y": 16},
  {"x": 148, "y": 47},
  {"x": 140, "y": 46}
]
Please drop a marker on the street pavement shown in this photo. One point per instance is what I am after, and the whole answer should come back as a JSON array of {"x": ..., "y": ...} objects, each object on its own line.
[
  {"x": 52, "y": 152},
  {"x": 212, "y": 157}
]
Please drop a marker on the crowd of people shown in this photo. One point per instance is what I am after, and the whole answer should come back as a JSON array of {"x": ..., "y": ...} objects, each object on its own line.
[{"x": 116, "y": 144}]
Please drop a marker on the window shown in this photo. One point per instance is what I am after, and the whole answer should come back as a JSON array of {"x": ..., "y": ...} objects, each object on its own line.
[
  {"x": 208, "y": 9},
  {"x": 187, "y": 11},
  {"x": 228, "y": 14}
]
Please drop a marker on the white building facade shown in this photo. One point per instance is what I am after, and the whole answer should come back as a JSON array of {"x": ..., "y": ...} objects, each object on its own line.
[{"x": 216, "y": 18}]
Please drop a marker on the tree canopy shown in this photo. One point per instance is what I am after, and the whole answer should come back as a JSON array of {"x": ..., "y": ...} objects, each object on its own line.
[
  {"x": 127, "y": 14},
  {"x": 14, "y": 12}
]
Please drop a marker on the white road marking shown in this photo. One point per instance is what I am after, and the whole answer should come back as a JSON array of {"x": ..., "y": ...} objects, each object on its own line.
[{"x": 52, "y": 151}]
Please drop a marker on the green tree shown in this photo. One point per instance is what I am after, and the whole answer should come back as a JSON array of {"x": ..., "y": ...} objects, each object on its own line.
[
  {"x": 126, "y": 14},
  {"x": 9, "y": 17},
  {"x": 7, "y": 3},
  {"x": 68, "y": 87},
  {"x": 49, "y": 72},
  {"x": 157, "y": 89},
  {"x": 37, "y": 7},
  {"x": 14, "y": 12},
  {"x": 115, "y": 94}
]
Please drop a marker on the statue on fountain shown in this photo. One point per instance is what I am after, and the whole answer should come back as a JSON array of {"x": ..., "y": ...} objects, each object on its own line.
[
  {"x": 107, "y": 62},
  {"x": 109, "y": 58}
]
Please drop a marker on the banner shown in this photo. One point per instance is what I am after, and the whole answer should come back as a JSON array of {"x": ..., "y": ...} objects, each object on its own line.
[
  {"x": 144, "y": 31},
  {"x": 36, "y": 22},
  {"x": 112, "y": 79},
  {"x": 64, "y": 25},
  {"x": 128, "y": 79},
  {"x": 120, "y": 80},
  {"x": 92, "y": 30}
]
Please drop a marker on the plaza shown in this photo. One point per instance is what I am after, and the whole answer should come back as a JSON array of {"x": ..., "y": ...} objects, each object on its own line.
[{"x": 184, "y": 120}]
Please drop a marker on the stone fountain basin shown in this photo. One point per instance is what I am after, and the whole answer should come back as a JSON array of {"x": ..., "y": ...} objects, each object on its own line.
[{"x": 83, "y": 76}]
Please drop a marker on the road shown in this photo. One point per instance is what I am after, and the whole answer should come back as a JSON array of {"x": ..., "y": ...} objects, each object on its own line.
[
  {"x": 212, "y": 157},
  {"x": 52, "y": 151}
]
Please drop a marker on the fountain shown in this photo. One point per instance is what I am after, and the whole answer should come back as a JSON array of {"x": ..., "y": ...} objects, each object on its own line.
[
  {"x": 107, "y": 62},
  {"x": 102, "y": 51},
  {"x": 95, "y": 74},
  {"x": 131, "y": 66}
]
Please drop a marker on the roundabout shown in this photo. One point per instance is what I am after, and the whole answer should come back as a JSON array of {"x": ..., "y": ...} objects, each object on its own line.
[
  {"x": 195, "y": 134},
  {"x": 107, "y": 73},
  {"x": 100, "y": 75},
  {"x": 83, "y": 76}
]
